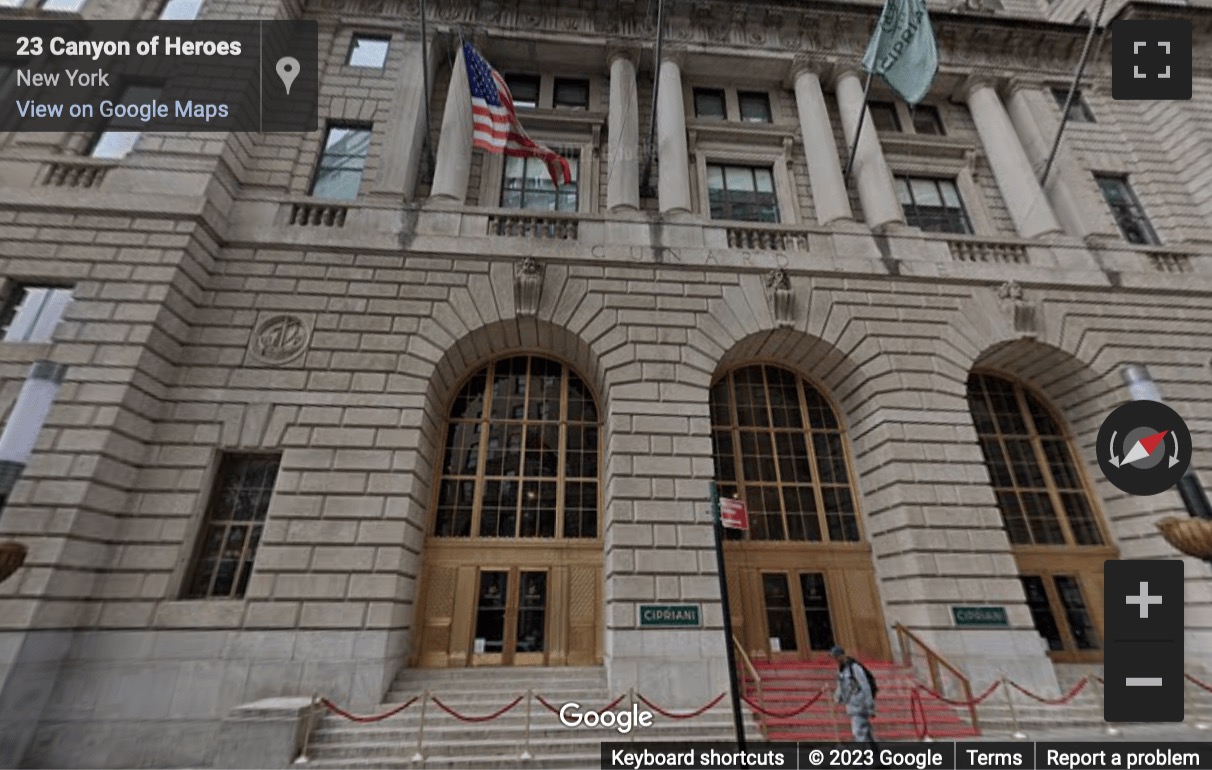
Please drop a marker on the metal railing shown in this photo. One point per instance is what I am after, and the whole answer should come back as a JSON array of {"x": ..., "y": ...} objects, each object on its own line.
[
  {"x": 749, "y": 672},
  {"x": 935, "y": 666}
]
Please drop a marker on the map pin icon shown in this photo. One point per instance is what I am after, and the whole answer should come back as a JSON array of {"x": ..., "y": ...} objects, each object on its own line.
[{"x": 288, "y": 70}]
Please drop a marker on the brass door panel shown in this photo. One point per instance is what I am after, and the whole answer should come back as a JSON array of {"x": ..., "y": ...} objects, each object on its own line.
[{"x": 550, "y": 605}]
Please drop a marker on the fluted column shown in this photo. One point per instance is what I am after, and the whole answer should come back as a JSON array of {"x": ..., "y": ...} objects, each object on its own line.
[
  {"x": 1067, "y": 186},
  {"x": 874, "y": 179},
  {"x": 1025, "y": 199},
  {"x": 824, "y": 169},
  {"x": 673, "y": 181},
  {"x": 453, "y": 165},
  {"x": 623, "y": 166}
]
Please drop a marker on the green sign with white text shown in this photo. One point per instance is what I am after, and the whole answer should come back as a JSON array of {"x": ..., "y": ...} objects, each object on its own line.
[
  {"x": 980, "y": 616},
  {"x": 669, "y": 615}
]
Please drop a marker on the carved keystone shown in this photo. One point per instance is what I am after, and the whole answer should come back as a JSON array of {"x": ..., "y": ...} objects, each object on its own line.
[
  {"x": 781, "y": 297},
  {"x": 527, "y": 286}
]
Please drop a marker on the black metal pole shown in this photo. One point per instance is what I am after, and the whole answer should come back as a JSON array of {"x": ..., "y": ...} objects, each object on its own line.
[
  {"x": 733, "y": 685},
  {"x": 1194, "y": 498}
]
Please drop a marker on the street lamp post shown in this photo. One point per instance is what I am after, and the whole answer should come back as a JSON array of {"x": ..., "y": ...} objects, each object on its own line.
[
  {"x": 1142, "y": 388},
  {"x": 17, "y": 443}
]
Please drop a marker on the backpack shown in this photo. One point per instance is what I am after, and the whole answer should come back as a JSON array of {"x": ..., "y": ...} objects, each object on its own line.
[{"x": 875, "y": 688}]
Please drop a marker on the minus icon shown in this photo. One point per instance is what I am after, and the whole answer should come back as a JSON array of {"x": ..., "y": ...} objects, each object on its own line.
[{"x": 1143, "y": 681}]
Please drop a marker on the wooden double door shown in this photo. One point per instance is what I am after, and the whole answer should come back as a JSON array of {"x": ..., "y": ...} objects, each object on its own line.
[
  {"x": 511, "y": 604},
  {"x": 795, "y": 601},
  {"x": 1064, "y": 590}
]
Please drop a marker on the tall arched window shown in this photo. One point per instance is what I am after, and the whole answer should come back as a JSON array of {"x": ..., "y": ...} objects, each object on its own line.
[
  {"x": 779, "y": 445},
  {"x": 1032, "y": 466},
  {"x": 521, "y": 457}
]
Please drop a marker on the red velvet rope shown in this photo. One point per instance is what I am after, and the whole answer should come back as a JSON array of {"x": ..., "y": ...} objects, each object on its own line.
[
  {"x": 672, "y": 715},
  {"x": 543, "y": 702},
  {"x": 485, "y": 718},
  {"x": 783, "y": 714},
  {"x": 978, "y": 700},
  {"x": 334, "y": 708},
  {"x": 917, "y": 707},
  {"x": 1201, "y": 685},
  {"x": 1081, "y": 685}
]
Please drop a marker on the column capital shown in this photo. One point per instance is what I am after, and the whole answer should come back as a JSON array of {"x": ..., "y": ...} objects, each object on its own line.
[
  {"x": 821, "y": 66},
  {"x": 1020, "y": 83},
  {"x": 843, "y": 70},
  {"x": 622, "y": 50},
  {"x": 974, "y": 83},
  {"x": 674, "y": 54}
]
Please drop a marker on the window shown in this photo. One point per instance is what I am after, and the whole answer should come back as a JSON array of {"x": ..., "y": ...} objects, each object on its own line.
[
  {"x": 521, "y": 455},
  {"x": 526, "y": 184},
  {"x": 755, "y": 106},
  {"x": 235, "y": 515},
  {"x": 779, "y": 446},
  {"x": 1032, "y": 466},
  {"x": 368, "y": 51},
  {"x": 710, "y": 103},
  {"x": 120, "y": 134},
  {"x": 932, "y": 204},
  {"x": 884, "y": 117},
  {"x": 339, "y": 174},
  {"x": 571, "y": 93},
  {"x": 61, "y": 5},
  {"x": 180, "y": 10},
  {"x": 32, "y": 311},
  {"x": 1126, "y": 209},
  {"x": 11, "y": 3},
  {"x": 743, "y": 193},
  {"x": 1079, "y": 111},
  {"x": 524, "y": 89},
  {"x": 927, "y": 120}
]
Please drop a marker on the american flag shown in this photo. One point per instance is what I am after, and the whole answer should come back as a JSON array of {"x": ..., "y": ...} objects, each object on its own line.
[{"x": 497, "y": 129}]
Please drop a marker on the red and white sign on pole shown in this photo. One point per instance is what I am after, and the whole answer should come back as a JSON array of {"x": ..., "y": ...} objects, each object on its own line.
[{"x": 733, "y": 513}]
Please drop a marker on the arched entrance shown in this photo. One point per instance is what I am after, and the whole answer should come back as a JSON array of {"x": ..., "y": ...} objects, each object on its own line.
[
  {"x": 513, "y": 559},
  {"x": 1056, "y": 532},
  {"x": 801, "y": 579}
]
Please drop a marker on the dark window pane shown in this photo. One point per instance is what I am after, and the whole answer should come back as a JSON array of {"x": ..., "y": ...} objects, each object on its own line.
[
  {"x": 755, "y": 106},
  {"x": 572, "y": 93},
  {"x": 710, "y": 103},
  {"x": 1041, "y": 612},
  {"x": 526, "y": 184},
  {"x": 933, "y": 205},
  {"x": 927, "y": 121},
  {"x": 490, "y": 612},
  {"x": 780, "y": 620},
  {"x": 524, "y": 89},
  {"x": 1081, "y": 627},
  {"x": 1126, "y": 209},
  {"x": 816, "y": 611},
  {"x": 1079, "y": 111},
  {"x": 532, "y": 612},
  {"x": 884, "y": 117},
  {"x": 742, "y": 193},
  {"x": 342, "y": 161}
]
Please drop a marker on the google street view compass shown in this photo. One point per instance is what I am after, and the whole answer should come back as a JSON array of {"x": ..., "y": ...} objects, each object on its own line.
[{"x": 1144, "y": 447}]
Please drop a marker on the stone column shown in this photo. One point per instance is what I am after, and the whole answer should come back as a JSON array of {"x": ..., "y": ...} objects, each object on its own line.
[
  {"x": 824, "y": 169},
  {"x": 1068, "y": 186},
  {"x": 404, "y": 137},
  {"x": 1025, "y": 199},
  {"x": 880, "y": 205},
  {"x": 623, "y": 166},
  {"x": 673, "y": 181},
  {"x": 453, "y": 165}
]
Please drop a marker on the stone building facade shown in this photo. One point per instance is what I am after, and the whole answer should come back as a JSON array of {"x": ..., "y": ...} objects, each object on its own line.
[{"x": 285, "y": 342}]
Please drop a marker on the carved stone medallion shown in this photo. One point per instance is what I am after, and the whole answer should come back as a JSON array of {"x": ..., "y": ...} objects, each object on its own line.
[{"x": 280, "y": 338}]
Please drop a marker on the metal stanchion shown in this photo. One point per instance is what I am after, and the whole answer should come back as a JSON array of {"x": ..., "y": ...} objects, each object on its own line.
[
  {"x": 1192, "y": 698},
  {"x": 419, "y": 754},
  {"x": 526, "y": 748},
  {"x": 1102, "y": 704},
  {"x": 631, "y": 708},
  {"x": 303, "y": 759},
  {"x": 1018, "y": 733}
]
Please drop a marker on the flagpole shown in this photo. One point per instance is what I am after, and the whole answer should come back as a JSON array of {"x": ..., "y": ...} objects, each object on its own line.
[
  {"x": 1077, "y": 76},
  {"x": 427, "y": 149},
  {"x": 858, "y": 132},
  {"x": 646, "y": 181}
]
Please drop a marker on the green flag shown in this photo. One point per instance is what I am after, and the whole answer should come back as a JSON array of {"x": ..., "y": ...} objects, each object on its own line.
[{"x": 902, "y": 50}]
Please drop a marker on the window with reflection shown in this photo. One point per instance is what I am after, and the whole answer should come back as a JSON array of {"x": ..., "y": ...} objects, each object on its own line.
[
  {"x": 1032, "y": 465},
  {"x": 780, "y": 447},
  {"x": 744, "y": 193},
  {"x": 526, "y": 184},
  {"x": 521, "y": 456}
]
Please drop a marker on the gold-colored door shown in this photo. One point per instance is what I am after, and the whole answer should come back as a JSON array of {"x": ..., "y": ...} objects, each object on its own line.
[
  {"x": 1065, "y": 595},
  {"x": 524, "y": 604},
  {"x": 795, "y": 601}
]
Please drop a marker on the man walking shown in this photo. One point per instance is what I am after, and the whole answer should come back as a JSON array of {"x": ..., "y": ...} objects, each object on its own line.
[{"x": 855, "y": 693}]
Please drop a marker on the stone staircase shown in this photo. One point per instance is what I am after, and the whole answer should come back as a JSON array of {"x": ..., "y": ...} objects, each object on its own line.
[
  {"x": 498, "y": 744},
  {"x": 788, "y": 685}
]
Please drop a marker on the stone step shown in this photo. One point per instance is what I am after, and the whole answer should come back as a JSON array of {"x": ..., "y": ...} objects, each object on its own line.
[
  {"x": 565, "y": 761},
  {"x": 407, "y": 735},
  {"x": 595, "y": 698}
]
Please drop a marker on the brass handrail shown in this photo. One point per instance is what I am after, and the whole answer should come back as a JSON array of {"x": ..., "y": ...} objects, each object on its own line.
[
  {"x": 934, "y": 661},
  {"x": 751, "y": 670}
]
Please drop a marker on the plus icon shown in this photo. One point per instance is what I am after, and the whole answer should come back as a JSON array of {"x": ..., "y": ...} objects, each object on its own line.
[{"x": 1144, "y": 600}]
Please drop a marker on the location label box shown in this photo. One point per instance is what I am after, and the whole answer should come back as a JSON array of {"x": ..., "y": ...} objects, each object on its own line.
[
  {"x": 155, "y": 76},
  {"x": 1143, "y": 664}
]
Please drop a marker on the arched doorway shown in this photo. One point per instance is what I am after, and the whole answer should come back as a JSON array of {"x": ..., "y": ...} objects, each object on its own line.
[
  {"x": 801, "y": 579},
  {"x": 513, "y": 559},
  {"x": 1058, "y": 537}
]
